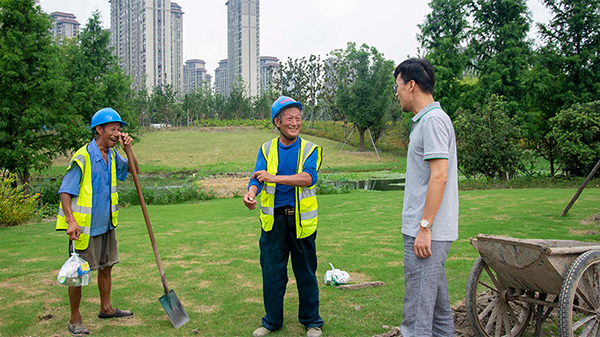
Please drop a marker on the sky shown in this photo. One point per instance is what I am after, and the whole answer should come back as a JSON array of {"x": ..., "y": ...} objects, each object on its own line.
[{"x": 294, "y": 28}]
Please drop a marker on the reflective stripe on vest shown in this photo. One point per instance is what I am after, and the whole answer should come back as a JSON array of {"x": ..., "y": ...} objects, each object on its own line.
[
  {"x": 306, "y": 197},
  {"x": 81, "y": 205}
]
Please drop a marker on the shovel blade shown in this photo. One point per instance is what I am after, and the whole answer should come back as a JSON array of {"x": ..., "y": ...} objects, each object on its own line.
[{"x": 174, "y": 309}]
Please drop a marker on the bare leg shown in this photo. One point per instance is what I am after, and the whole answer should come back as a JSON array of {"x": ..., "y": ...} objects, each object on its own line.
[
  {"x": 104, "y": 285},
  {"x": 74, "y": 301}
]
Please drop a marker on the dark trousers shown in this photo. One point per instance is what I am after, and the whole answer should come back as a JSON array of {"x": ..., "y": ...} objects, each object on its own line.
[{"x": 275, "y": 248}]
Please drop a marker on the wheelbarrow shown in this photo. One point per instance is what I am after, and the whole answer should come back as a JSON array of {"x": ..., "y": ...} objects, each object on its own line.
[{"x": 515, "y": 280}]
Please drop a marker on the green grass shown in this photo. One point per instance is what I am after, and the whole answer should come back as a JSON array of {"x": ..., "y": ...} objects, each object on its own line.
[
  {"x": 219, "y": 152},
  {"x": 211, "y": 257}
]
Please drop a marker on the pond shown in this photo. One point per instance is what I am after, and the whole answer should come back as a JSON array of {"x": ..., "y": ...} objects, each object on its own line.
[{"x": 372, "y": 184}]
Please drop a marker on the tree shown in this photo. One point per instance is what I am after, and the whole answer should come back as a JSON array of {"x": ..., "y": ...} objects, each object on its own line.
[
  {"x": 487, "y": 140},
  {"x": 238, "y": 104},
  {"x": 443, "y": 38},
  {"x": 567, "y": 67},
  {"x": 576, "y": 132},
  {"x": 499, "y": 42},
  {"x": 96, "y": 79},
  {"x": 36, "y": 122},
  {"x": 302, "y": 79},
  {"x": 162, "y": 104},
  {"x": 364, "y": 86}
]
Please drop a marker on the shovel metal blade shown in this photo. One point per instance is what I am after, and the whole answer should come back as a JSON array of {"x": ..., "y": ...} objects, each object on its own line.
[{"x": 174, "y": 309}]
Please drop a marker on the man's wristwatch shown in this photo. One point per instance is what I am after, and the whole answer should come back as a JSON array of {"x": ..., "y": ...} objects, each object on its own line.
[{"x": 425, "y": 224}]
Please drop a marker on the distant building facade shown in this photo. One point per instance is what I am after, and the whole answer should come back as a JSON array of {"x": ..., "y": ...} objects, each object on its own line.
[
  {"x": 64, "y": 25},
  {"x": 269, "y": 70},
  {"x": 148, "y": 38},
  {"x": 195, "y": 76},
  {"x": 243, "y": 44},
  {"x": 222, "y": 85}
]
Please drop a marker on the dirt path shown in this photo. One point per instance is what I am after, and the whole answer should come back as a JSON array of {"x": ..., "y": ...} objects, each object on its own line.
[{"x": 227, "y": 185}]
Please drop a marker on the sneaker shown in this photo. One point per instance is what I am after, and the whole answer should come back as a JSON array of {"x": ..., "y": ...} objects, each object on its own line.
[
  {"x": 78, "y": 329},
  {"x": 313, "y": 332},
  {"x": 262, "y": 331}
]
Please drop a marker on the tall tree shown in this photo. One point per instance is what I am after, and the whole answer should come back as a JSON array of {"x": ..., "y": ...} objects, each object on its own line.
[
  {"x": 302, "y": 79},
  {"x": 567, "y": 68},
  {"x": 499, "y": 43},
  {"x": 365, "y": 86},
  {"x": 36, "y": 124},
  {"x": 443, "y": 38},
  {"x": 97, "y": 80}
]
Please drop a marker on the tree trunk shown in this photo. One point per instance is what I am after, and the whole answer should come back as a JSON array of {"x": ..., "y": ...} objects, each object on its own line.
[{"x": 361, "y": 144}]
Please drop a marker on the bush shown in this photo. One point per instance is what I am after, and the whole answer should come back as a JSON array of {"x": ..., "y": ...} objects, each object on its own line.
[
  {"x": 577, "y": 134},
  {"x": 487, "y": 140},
  {"x": 165, "y": 196},
  {"x": 48, "y": 191},
  {"x": 16, "y": 207}
]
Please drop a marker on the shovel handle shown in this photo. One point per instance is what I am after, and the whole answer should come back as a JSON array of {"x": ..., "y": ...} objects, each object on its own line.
[{"x": 133, "y": 172}]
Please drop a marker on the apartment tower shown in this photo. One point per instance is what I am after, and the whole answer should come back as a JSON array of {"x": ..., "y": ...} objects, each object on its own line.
[
  {"x": 148, "y": 38},
  {"x": 64, "y": 25},
  {"x": 243, "y": 44}
]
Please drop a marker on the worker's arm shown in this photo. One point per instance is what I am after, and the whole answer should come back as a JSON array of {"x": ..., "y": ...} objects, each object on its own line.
[
  {"x": 433, "y": 200},
  {"x": 301, "y": 179},
  {"x": 73, "y": 228},
  {"x": 249, "y": 197},
  {"x": 307, "y": 177}
]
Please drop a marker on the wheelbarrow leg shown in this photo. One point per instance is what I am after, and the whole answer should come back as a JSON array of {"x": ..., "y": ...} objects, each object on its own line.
[{"x": 540, "y": 315}]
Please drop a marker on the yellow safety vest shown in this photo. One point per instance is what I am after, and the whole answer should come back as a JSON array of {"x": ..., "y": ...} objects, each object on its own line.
[
  {"x": 306, "y": 212},
  {"x": 81, "y": 205}
]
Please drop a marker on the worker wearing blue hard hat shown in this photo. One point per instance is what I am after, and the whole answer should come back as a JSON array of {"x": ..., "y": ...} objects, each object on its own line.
[
  {"x": 89, "y": 209},
  {"x": 285, "y": 176}
]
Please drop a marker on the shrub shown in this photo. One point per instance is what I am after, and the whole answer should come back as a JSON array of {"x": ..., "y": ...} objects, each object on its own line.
[
  {"x": 16, "y": 207},
  {"x": 487, "y": 140},
  {"x": 577, "y": 134},
  {"x": 165, "y": 196}
]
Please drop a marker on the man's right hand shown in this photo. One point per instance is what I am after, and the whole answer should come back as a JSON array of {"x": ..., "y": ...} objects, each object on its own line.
[
  {"x": 73, "y": 231},
  {"x": 249, "y": 200}
]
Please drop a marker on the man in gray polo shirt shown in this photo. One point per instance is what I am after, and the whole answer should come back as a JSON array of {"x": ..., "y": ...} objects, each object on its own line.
[{"x": 430, "y": 212}]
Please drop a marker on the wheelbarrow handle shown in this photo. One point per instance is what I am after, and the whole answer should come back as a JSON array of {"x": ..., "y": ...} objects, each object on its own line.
[{"x": 133, "y": 172}]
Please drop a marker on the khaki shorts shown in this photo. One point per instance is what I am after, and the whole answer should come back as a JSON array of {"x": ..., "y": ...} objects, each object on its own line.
[{"x": 101, "y": 252}]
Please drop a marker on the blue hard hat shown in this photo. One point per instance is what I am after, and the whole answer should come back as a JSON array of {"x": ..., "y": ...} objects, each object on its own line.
[
  {"x": 281, "y": 103},
  {"x": 106, "y": 115}
]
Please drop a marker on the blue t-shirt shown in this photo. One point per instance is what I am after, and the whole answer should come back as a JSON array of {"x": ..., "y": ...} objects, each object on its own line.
[
  {"x": 288, "y": 161},
  {"x": 101, "y": 216}
]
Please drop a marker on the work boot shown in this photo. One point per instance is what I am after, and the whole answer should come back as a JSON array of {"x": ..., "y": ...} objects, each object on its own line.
[
  {"x": 313, "y": 332},
  {"x": 262, "y": 331}
]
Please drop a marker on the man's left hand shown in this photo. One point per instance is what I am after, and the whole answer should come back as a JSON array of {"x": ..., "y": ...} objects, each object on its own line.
[
  {"x": 264, "y": 176},
  {"x": 423, "y": 243},
  {"x": 125, "y": 140}
]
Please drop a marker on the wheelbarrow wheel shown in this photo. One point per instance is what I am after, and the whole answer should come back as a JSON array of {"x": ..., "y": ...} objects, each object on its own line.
[
  {"x": 579, "y": 299},
  {"x": 493, "y": 309}
]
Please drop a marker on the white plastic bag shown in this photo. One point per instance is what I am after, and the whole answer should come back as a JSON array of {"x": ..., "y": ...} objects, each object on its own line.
[
  {"x": 75, "y": 272},
  {"x": 336, "y": 277}
]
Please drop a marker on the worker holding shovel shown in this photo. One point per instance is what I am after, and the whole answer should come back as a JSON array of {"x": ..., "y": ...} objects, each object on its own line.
[
  {"x": 285, "y": 175},
  {"x": 89, "y": 209}
]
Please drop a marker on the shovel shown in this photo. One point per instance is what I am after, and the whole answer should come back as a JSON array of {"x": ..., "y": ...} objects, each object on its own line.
[{"x": 168, "y": 300}]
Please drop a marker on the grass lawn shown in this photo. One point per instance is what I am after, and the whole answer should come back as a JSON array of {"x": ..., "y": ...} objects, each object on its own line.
[
  {"x": 211, "y": 257},
  {"x": 235, "y": 150}
]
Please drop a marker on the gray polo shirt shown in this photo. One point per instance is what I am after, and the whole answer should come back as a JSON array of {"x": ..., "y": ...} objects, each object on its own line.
[{"x": 432, "y": 137}]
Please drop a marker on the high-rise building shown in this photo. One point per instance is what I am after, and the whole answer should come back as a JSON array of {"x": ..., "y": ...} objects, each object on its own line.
[
  {"x": 64, "y": 25},
  {"x": 148, "y": 38},
  {"x": 243, "y": 44},
  {"x": 222, "y": 78},
  {"x": 269, "y": 69},
  {"x": 195, "y": 76}
]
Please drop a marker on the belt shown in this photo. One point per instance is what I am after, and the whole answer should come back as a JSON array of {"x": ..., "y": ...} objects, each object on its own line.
[{"x": 285, "y": 210}]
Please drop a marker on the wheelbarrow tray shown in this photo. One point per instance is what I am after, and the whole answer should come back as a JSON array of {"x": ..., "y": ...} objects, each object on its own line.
[{"x": 538, "y": 265}]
